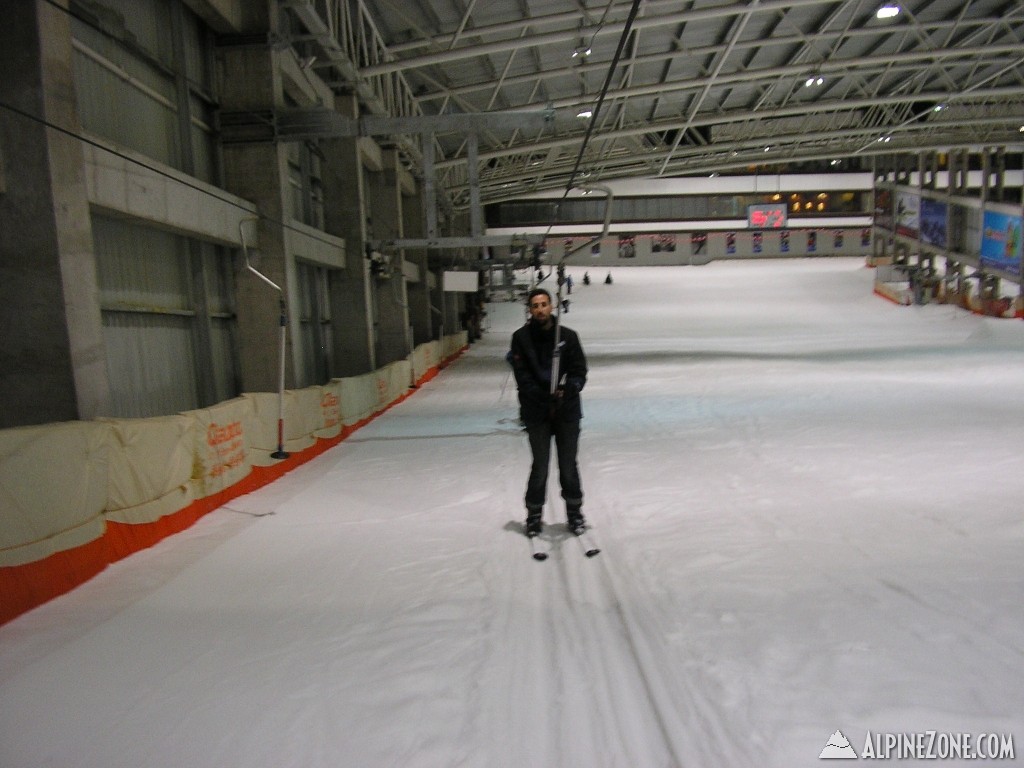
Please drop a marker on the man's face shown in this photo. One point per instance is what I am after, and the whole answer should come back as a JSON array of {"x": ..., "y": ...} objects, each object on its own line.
[{"x": 540, "y": 309}]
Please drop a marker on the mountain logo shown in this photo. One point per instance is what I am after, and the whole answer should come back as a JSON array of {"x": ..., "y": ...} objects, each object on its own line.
[{"x": 838, "y": 748}]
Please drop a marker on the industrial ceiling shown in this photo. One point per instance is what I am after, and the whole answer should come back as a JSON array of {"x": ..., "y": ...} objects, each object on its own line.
[{"x": 672, "y": 87}]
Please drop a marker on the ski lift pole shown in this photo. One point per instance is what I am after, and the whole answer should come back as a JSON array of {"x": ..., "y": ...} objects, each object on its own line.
[
  {"x": 280, "y": 453},
  {"x": 556, "y": 356}
]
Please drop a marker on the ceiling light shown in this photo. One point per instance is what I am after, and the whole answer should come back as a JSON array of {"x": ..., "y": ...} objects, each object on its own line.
[
  {"x": 585, "y": 113},
  {"x": 888, "y": 11},
  {"x": 814, "y": 81}
]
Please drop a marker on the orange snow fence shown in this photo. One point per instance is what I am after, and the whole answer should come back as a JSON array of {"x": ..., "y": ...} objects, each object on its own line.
[{"x": 77, "y": 496}]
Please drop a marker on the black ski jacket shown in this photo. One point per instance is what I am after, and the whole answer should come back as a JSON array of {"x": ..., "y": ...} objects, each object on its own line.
[{"x": 531, "y": 355}]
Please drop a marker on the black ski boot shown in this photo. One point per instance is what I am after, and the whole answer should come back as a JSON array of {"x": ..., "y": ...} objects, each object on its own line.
[
  {"x": 533, "y": 523},
  {"x": 576, "y": 522}
]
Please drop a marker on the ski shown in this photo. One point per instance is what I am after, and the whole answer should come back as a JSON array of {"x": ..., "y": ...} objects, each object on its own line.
[
  {"x": 540, "y": 553},
  {"x": 586, "y": 544},
  {"x": 536, "y": 552}
]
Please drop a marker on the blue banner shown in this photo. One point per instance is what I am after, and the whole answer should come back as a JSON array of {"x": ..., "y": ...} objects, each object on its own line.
[
  {"x": 933, "y": 222},
  {"x": 1001, "y": 242}
]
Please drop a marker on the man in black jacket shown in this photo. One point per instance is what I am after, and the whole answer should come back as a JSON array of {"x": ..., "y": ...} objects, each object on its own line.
[{"x": 548, "y": 414}]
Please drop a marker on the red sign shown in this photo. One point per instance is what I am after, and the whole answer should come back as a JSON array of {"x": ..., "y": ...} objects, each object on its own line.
[{"x": 766, "y": 216}]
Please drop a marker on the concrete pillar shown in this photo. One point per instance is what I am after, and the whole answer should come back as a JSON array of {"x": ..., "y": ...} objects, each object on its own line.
[
  {"x": 254, "y": 171},
  {"x": 258, "y": 172},
  {"x": 52, "y": 357},
  {"x": 392, "y": 316},
  {"x": 414, "y": 225},
  {"x": 451, "y": 303},
  {"x": 345, "y": 215}
]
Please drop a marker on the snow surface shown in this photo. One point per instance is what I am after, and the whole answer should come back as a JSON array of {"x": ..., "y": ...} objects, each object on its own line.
[{"x": 809, "y": 505}]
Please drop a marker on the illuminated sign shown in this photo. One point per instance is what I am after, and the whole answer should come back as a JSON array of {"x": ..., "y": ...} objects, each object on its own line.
[{"x": 773, "y": 216}]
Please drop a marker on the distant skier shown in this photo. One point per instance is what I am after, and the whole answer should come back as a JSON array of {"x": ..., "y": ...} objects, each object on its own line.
[
  {"x": 548, "y": 414},
  {"x": 608, "y": 280},
  {"x": 586, "y": 278}
]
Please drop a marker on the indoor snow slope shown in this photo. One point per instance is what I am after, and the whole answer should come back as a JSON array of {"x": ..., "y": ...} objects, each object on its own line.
[{"x": 808, "y": 502}]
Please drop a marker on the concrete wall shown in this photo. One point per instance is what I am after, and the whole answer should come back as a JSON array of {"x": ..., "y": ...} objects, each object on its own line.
[{"x": 52, "y": 363}]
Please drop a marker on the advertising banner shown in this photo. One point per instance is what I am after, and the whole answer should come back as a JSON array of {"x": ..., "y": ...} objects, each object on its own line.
[
  {"x": 933, "y": 222},
  {"x": 1001, "y": 242},
  {"x": 908, "y": 213}
]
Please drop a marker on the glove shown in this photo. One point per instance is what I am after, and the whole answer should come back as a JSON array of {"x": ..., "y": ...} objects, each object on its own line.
[{"x": 572, "y": 386}]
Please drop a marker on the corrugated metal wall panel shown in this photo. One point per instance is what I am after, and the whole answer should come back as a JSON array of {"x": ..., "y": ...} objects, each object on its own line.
[
  {"x": 222, "y": 343},
  {"x": 140, "y": 267},
  {"x": 151, "y": 362},
  {"x": 150, "y": 326}
]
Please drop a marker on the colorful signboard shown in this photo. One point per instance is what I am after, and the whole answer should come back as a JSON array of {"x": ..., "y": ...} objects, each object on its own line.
[
  {"x": 933, "y": 222},
  {"x": 1001, "y": 242},
  {"x": 770, "y": 216}
]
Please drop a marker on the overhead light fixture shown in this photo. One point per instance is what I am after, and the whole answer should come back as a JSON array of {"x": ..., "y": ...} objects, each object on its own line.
[
  {"x": 582, "y": 50},
  {"x": 586, "y": 114},
  {"x": 814, "y": 81},
  {"x": 888, "y": 11}
]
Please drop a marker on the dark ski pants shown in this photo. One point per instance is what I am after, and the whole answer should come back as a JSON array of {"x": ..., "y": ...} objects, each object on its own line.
[{"x": 567, "y": 440}]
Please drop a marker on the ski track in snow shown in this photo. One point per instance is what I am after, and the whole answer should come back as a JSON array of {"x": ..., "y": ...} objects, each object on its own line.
[{"x": 807, "y": 502}]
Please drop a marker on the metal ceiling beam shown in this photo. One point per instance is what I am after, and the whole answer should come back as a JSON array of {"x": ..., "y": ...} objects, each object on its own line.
[
  {"x": 462, "y": 123},
  {"x": 793, "y": 147},
  {"x": 734, "y": 34},
  {"x": 570, "y": 26},
  {"x": 946, "y": 52},
  {"x": 301, "y": 123},
  {"x": 549, "y": 38},
  {"x": 843, "y": 105},
  {"x": 769, "y": 75},
  {"x": 889, "y": 71}
]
